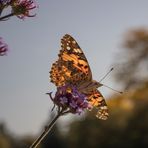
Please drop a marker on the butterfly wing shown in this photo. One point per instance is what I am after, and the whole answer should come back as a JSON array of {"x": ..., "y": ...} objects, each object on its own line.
[
  {"x": 97, "y": 101},
  {"x": 72, "y": 66}
]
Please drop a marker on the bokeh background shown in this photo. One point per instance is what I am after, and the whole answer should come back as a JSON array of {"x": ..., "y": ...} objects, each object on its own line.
[{"x": 112, "y": 34}]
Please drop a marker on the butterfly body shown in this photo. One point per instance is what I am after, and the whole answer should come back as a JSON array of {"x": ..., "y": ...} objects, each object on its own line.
[
  {"x": 72, "y": 68},
  {"x": 87, "y": 87}
]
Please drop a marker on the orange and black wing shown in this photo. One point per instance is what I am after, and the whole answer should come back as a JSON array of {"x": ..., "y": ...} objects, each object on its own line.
[
  {"x": 97, "y": 101},
  {"x": 71, "y": 66}
]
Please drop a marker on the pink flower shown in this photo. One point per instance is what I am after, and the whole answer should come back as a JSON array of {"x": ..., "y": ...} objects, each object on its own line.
[
  {"x": 21, "y": 8},
  {"x": 3, "y": 47}
]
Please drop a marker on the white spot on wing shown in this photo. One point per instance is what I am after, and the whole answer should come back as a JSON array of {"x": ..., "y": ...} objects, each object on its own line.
[
  {"x": 68, "y": 48},
  {"x": 74, "y": 42}
]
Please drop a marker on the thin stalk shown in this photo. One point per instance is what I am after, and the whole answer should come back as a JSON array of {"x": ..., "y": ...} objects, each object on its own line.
[
  {"x": 46, "y": 131},
  {"x": 6, "y": 16}
]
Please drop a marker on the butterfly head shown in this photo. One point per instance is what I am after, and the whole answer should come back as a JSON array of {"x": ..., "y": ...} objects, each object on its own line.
[{"x": 96, "y": 84}]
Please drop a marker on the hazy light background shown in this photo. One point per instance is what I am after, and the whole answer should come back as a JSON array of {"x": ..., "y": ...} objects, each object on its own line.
[{"x": 97, "y": 25}]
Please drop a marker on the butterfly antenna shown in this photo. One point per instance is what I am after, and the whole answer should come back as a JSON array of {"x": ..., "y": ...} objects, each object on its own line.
[
  {"x": 108, "y": 86},
  {"x": 120, "y": 92},
  {"x": 107, "y": 74}
]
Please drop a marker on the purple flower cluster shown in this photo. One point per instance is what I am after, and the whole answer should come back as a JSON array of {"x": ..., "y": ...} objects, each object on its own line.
[
  {"x": 4, "y": 2},
  {"x": 68, "y": 97},
  {"x": 3, "y": 47},
  {"x": 21, "y": 8}
]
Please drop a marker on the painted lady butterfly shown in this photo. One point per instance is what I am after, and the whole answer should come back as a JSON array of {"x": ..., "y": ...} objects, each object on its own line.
[{"x": 72, "y": 68}]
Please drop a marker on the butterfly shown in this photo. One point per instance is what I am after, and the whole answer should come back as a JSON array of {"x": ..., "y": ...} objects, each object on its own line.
[{"x": 72, "y": 68}]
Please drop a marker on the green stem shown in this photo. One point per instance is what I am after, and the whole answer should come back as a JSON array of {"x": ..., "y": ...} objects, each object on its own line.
[
  {"x": 6, "y": 16},
  {"x": 46, "y": 131}
]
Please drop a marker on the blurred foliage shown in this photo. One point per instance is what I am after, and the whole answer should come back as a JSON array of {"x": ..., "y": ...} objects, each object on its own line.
[
  {"x": 132, "y": 61},
  {"x": 8, "y": 140},
  {"x": 53, "y": 139},
  {"x": 127, "y": 126}
]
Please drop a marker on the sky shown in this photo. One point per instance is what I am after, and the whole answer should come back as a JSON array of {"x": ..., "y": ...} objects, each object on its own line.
[{"x": 97, "y": 25}]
